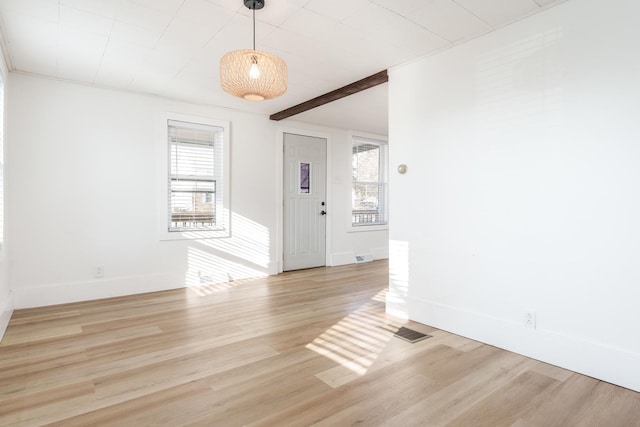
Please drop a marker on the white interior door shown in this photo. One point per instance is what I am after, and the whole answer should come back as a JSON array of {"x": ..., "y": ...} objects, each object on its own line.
[{"x": 305, "y": 170}]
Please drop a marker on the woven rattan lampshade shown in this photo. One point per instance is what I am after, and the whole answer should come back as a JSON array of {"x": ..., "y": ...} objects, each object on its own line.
[{"x": 253, "y": 75}]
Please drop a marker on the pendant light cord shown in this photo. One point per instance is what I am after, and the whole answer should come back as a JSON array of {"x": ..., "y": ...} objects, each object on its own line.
[{"x": 254, "y": 28}]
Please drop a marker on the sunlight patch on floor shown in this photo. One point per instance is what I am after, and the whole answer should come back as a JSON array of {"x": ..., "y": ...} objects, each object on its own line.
[
  {"x": 355, "y": 343},
  {"x": 204, "y": 290},
  {"x": 381, "y": 296}
]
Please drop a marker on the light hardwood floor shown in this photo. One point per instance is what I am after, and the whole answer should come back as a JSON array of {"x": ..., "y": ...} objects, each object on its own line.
[{"x": 301, "y": 348}]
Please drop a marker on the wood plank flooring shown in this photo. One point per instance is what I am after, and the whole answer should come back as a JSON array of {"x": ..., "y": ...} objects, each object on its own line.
[{"x": 312, "y": 347}]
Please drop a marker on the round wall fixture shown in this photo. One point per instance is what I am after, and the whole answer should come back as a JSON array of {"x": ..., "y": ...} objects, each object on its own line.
[{"x": 402, "y": 169}]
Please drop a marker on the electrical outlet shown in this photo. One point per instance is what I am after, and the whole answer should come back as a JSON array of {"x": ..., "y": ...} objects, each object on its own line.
[
  {"x": 530, "y": 319},
  {"x": 99, "y": 272}
]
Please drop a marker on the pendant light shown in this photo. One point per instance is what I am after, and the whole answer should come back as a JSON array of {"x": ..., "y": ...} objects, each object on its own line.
[{"x": 250, "y": 73}]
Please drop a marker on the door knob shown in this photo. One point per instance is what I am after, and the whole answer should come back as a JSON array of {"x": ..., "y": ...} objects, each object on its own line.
[{"x": 323, "y": 213}]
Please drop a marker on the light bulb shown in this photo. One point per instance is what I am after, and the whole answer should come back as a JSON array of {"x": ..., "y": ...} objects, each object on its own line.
[{"x": 254, "y": 72}]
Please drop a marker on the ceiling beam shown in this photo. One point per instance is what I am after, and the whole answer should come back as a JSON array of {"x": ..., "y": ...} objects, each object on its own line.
[{"x": 350, "y": 89}]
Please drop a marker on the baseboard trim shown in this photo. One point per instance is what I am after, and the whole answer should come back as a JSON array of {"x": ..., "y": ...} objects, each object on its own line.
[
  {"x": 342, "y": 258},
  {"x": 63, "y": 293},
  {"x": 6, "y": 311},
  {"x": 608, "y": 363}
]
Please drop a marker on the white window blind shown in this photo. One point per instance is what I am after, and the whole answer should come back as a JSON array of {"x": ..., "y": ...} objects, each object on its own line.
[
  {"x": 195, "y": 176},
  {"x": 369, "y": 162}
]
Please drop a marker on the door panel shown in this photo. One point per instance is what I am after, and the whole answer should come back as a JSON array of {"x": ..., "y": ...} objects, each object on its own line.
[{"x": 305, "y": 160}]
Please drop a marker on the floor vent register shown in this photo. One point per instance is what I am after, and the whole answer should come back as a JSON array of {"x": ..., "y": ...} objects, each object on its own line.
[{"x": 410, "y": 335}]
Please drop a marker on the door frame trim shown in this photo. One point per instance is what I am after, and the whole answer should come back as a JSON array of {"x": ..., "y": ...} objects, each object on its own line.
[{"x": 281, "y": 130}]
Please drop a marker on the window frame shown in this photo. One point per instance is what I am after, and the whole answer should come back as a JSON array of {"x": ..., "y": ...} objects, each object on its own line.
[
  {"x": 384, "y": 160},
  {"x": 223, "y": 208}
]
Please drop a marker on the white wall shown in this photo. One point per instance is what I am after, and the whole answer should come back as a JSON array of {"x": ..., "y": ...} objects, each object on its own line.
[
  {"x": 522, "y": 190},
  {"x": 84, "y": 187},
  {"x": 83, "y": 193},
  {"x": 6, "y": 297}
]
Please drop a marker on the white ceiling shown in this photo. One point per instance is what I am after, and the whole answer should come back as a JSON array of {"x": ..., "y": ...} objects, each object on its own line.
[{"x": 172, "y": 48}]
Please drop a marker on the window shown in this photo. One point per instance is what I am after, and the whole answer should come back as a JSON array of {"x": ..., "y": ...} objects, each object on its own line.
[
  {"x": 305, "y": 176},
  {"x": 369, "y": 159},
  {"x": 196, "y": 184}
]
